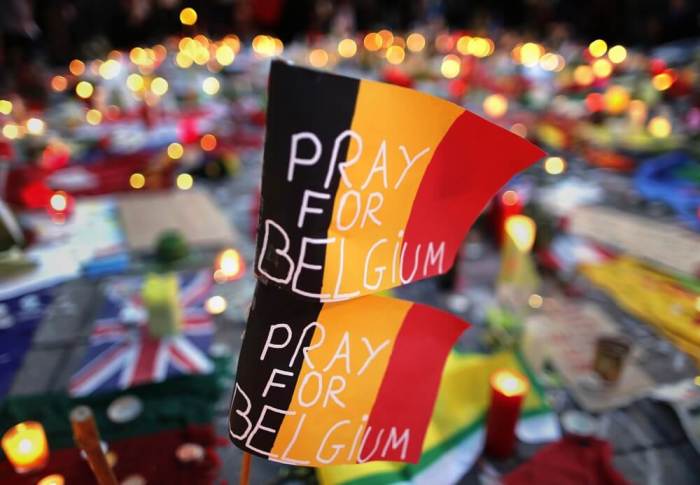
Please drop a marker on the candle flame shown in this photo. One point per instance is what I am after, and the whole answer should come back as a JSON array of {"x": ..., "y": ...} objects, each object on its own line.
[{"x": 509, "y": 383}]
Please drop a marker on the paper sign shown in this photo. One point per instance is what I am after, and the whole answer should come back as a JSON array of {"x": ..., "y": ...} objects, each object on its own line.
[
  {"x": 368, "y": 186},
  {"x": 669, "y": 245},
  {"x": 346, "y": 382}
]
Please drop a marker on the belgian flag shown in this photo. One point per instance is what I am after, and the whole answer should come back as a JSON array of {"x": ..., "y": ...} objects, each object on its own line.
[
  {"x": 368, "y": 186},
  {"x": 346, "y": 382}
]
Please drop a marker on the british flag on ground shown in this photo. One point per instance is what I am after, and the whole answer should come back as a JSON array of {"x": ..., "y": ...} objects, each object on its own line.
[{"x": 122, "y": 353}]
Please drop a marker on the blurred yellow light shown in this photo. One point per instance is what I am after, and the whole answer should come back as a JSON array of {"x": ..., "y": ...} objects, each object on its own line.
[
  {"x": 5, "y": 107},
  {"x": 583, "y": 75},
  {"x": 184, "y": 181},
  {"x": 530, "y": 54},
  {"x": 215, "y": 305},
  {"x": 451, "y": 66},
  {"x": 602, "y": 68},
  {"x": 76, "y": 67},
  {"x": 554, "y": 165},
  {"x": 211, "y": 86},
  {"x": 278, "y": 46},
  {"x": 480, "y": 47},
  {"x": 134, "y": 82},
  {"x": 175, "y": 151},
  {"x": 617, "y": 54},
  {"x": 137, "y": 180},
  {"x": 35, "y": 126},
  {"x": 535, "y": 301},
  {"x": 617, "y": 99},
  {"x": 386, "y": 36},
  {"x": 662, "y": 81},
  {"x": 59, "y": 201},
  {"x": 659, "y": 127},
  {"x": 415, "y": 42},
  {"x": 549, "y": 62},
  {"x": 84, "y": 89},
  {"x": 59, "y": 83},
  {"x": 183, "y": 60},
  {"x": 225, "y": 55},
  {"x": 347, "y": 48},
  {"x": 228, "y": 265},
  {"x": 10, "y": 131},
  {"x": 521, "y": 230},
  {"x": 201, "y": 55},
  {"x": 109, "y": 69},
  {"x": 495, "y": 105},
  {"x": 318, "y": 58},
  {"x": 137, "y": 55},
  {"x": 463, "y": 45},
  {"x": 264, "y": 45},
  {"x": 233, "y": 42},
  {"x": 598, "y": 48},
  {"x": 696, "y": 381},
  {"x": 372, "y": 42},
  {"x": 159, "y": 86},
  {"x": 395, "y": 54},
  {"x": 93, "y": 116},
  {"x": 188, "y": 16}
]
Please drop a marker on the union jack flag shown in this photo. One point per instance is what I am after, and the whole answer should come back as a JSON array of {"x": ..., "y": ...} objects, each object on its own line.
[{"x": 122, "y": 353}]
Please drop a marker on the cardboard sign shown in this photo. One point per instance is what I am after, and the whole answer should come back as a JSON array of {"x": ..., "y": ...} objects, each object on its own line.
[
  {"x": 347, "y": 382},
  {"x": 368, "y": 186},
  {"x": 669, "y": 245}
]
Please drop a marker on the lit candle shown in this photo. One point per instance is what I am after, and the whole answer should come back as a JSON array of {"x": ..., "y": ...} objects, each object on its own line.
[
  {"x": 53, "y": 479},
  {"x": 228, "y": 266},
  {"x": 25, "y": 446},
  {"x": 508, "y": 388},
  {"x": 507, "y": 204}
]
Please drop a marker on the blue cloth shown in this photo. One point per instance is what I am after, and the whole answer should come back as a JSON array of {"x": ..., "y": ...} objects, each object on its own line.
[
  {"x": 20, "y": 316},
  {"x": 659, "y": 179}
]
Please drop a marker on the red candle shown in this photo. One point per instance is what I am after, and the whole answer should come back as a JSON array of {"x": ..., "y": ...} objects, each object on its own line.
[
  {"x": 508, "y": 388},
  {"x": 507, "y": 204}
]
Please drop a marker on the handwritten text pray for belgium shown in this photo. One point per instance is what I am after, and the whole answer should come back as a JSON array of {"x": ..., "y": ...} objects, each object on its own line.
[{"x": 354, "y": 209}]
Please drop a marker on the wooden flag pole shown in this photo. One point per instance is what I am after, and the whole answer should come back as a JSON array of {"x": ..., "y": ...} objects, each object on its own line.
[
  {"x": 245, "y": 469},
  {"x": 87, "y": 437}
]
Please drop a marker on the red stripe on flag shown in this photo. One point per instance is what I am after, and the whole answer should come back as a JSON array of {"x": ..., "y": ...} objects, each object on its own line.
[
  {"x": 473, "y": 160},
  {"x": 146, "y": 363},
  {"x": 407, "y": 394}
]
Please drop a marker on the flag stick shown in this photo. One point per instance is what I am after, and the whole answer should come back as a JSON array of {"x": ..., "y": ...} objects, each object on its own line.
[
  {"x": 87, "y": 437},
  {"x": 245, "y": 468}
]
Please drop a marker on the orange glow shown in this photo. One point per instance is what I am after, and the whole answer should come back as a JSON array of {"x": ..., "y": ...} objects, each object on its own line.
[
  {"x": 509, "y": 383},
  {"x": 372, "y": 42},
  {"x": 76, "y": 67},
  {"x": 53, "y": 479},
  {"x": 229, "y": 266},
  {"x": 25, "y": 446},
  {"x": 59, "y": 83},
  {"x": 208, "y": 142}
]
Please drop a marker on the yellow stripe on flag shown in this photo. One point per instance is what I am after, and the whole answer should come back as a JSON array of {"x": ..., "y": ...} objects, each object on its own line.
[
  {"x": 411, "y": 126},
  {"x": 350, "y": 330}
]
